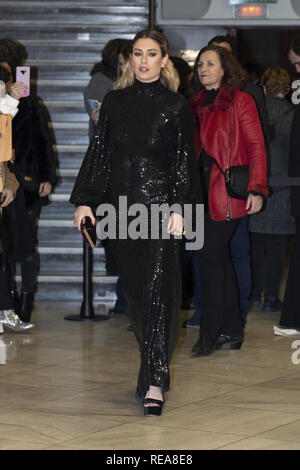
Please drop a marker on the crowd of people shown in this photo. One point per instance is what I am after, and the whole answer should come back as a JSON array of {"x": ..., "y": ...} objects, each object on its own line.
[
  {"x": 163, "y": 133},
  {"x": 29, "y": 177}
]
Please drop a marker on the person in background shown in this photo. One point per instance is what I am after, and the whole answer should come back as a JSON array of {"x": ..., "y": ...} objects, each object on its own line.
[
  {"x": 240, "y": 243},
  {"x": 222, "y": 110},
  {"x": 9, "y": 318},
  {"x": 289, "y": 323},
  {"x": 269, "y": 227},
  {"x": 34, "y": 166},
  {"x": 103, "y": 75}
]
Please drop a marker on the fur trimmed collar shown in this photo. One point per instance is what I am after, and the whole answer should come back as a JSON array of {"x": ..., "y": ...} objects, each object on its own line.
[{"x": 223, "y": 100}]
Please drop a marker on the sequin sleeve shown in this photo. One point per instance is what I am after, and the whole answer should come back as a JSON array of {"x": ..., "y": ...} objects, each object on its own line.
[
  {"x": 93, "y": 178},
  {"x": 185, "y": 173}
]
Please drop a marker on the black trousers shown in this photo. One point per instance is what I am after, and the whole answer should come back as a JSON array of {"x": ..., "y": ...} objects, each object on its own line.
[
  {"x": 31, "y": 265},
  {"x": 151, "y": 281},
  {"x": 267, "y": 253},
  {"x": 220, "y": 311},
  {"x": 5, "y": 299},
  {"x": 290, "y": 315}
]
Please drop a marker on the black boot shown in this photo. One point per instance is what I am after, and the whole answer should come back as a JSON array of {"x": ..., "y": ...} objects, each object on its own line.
[
  {"x": 229, "y": 342},
  {"x": 16, "y": 304},
  {"x": 27, "y": 299},
  {"x": 205, "y": 346}
]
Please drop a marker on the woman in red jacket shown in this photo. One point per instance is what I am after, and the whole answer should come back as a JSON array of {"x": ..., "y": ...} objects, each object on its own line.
[{"x": 228, "y": 133}]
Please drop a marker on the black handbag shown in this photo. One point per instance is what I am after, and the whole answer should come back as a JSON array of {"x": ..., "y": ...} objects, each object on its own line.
[
  {"x": 236, "y": 180},
  {"x": 29, "y": 182}
]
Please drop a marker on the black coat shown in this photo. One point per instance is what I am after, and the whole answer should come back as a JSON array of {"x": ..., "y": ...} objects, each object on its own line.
[
  {"x": 32, "y": 142},
  {"x": 257, "y": 93},
  {"x": 294, "y": 161},
  {"x": 21, "y": 236}
]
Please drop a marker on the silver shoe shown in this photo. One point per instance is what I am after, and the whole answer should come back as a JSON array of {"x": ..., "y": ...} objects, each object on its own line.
[{"x": 9, "y": 319}]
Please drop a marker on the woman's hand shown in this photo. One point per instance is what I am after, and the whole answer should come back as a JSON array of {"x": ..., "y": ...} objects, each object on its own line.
[
  {"x": 254, "y": 204},
  {"x": 45, "y": 189},
  {"x": 18, "y": 90},
  {"x": 82, "y": 212},
  {"x": 7, "y": 197},
  {"x": 176, "y": 224}
]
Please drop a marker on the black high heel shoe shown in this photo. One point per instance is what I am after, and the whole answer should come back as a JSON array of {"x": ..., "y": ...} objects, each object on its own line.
[{"x": 153, "y": 410}]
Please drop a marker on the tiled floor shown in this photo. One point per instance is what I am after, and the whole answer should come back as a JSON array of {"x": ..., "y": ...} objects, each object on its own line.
[{"x": 69, "y": 385}]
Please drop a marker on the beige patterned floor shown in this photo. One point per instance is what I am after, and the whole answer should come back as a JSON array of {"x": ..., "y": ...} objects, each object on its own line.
[{"x": 71, "y": 385}]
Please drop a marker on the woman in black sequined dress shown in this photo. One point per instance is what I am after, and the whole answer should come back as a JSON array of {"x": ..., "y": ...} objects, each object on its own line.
[{"x": 144, "y": 149}]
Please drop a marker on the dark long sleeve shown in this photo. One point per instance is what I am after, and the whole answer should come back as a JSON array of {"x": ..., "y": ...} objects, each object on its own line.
[
  {"x": 47, "y": 164},
  {"x": 185, "y": 173},
  {"x": 294, "y": 161},
  {"x": 258, "y": 95},
  {"x": 93, "y": 177}
]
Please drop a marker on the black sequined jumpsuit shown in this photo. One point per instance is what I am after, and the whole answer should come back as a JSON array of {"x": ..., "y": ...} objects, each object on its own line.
[{"x": 144, "y": 149}]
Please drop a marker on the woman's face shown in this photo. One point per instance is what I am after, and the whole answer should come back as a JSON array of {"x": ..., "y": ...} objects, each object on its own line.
[
  {"x": 8, "y": 68},
  {"x": 147, "y": 60},
  {"x": 210, "y": 70},
  {"x": 121, "y": 63}
]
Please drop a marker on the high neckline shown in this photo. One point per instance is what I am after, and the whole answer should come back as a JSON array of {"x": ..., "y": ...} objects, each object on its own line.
[
  {"x": 212, "y": 91},
  {"x": 148, "y": 88}
]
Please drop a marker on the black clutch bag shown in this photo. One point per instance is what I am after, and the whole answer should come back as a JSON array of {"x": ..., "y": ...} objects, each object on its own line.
[{"x": 88, "y": 232}]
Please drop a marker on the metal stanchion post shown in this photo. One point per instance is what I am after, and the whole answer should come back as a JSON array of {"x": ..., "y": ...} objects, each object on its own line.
[{"x": 87, "y": 309}]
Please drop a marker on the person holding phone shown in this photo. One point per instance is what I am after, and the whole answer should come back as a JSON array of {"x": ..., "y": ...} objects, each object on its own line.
[
  {"x": 144, "y": 150},
  {"x": 34, "y": 159}
]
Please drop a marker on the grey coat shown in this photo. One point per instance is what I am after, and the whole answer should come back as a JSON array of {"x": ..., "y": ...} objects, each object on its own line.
[
  {"x": 98, "y": 87},
  {"x": 275, "y": 217}
]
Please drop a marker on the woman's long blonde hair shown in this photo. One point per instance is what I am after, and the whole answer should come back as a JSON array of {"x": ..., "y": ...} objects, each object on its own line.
[{"x": 168, "y": 75}]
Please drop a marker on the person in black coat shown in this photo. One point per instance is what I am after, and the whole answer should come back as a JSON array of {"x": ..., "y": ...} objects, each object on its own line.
[
  {"x": 34, "y": 164},
  {"x": 289, "y": 322}
]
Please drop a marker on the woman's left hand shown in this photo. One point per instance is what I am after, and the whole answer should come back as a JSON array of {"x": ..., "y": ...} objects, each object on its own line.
[
  {"x": 176, "y": 224},
  {"x": 254, "y": 204},
  {"x": 7, "y": 197},
  {"x": 45, "y": 189}
]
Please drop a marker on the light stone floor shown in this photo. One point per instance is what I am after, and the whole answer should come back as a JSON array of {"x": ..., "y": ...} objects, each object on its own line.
[{"x": 69, "y": 385}]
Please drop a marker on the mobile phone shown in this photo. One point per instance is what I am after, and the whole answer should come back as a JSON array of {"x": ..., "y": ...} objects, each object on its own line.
[
  {"x": 94, "y": 105},
  {"x": 23, "y": 75}
]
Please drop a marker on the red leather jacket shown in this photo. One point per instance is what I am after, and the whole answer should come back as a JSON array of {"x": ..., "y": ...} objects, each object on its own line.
[{"x": 230, "y": 131}]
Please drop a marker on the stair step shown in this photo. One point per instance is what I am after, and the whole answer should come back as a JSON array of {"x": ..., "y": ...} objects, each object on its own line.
[
  {"x": 66, "y": 277},
  {"x": 66, "y": 111},
  {"x": 71, "y": 50},
  {"x": 69, "y": 287},
  {"x": 70, "y": 156},
  {"x": 64, "y": 209},
  {"x": 70, "y": 132},
  {"x": 67, "y": 32},
  {"x": 70, "y": 262},
  {"x": 67, "y": 12},
  {"x": 74, "y": 249}
]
